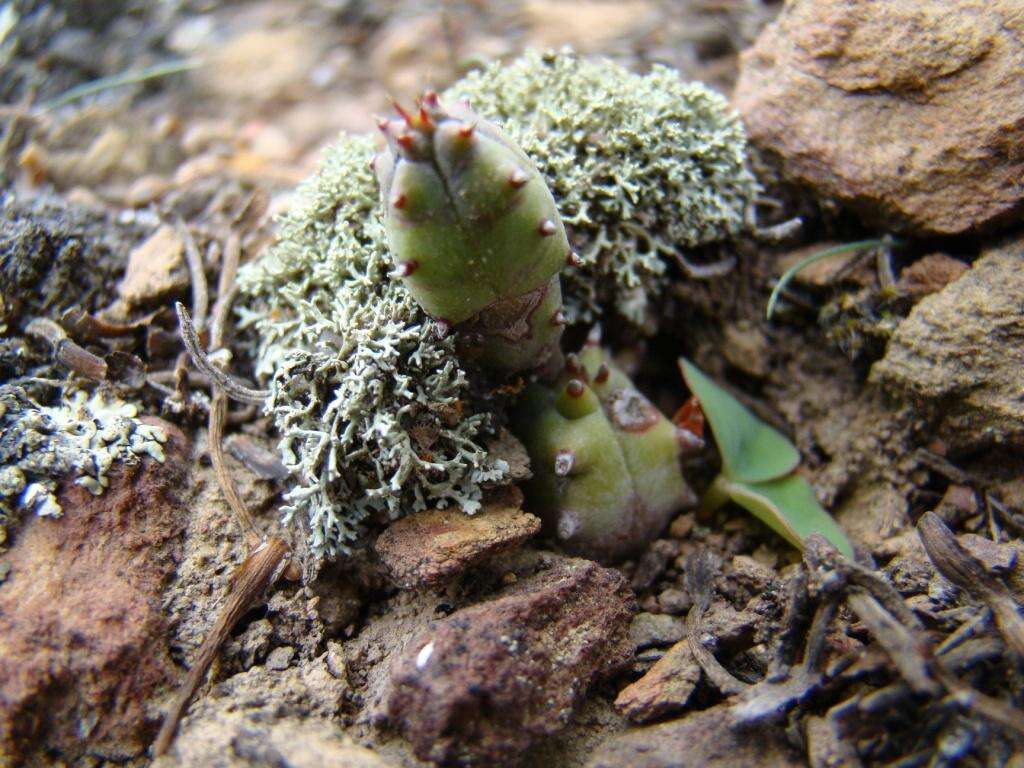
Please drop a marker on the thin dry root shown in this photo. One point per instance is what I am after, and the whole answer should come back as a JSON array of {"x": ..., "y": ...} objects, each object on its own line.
[{"x": 254, "y": 575}]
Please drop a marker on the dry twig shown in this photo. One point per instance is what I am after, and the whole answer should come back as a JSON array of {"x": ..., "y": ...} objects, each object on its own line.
[
  {"x": 700, "y": 573},
  {"x": 770, "y": 698},
  {"x": 964, "y": 570},
  {"x": 253, "y": 576},
  {"x": 67, "y": 352},
  {"x": 266, "y": 561},
  {"x": 233, "y": 388}
]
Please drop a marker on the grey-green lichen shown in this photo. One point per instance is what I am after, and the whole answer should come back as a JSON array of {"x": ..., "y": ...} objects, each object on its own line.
[
  {"x": 80, "y": 436},
  {"x": 642, "y": 167},
  {"x": 372, "y": 405}
]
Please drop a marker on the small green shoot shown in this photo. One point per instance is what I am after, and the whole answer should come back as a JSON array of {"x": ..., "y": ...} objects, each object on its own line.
[
  {"x": 752, "y": 452},
  {"x": 759, "y": 468},
  {"x": 157, "y": 71},
  {"x": 801, "y": 265}
]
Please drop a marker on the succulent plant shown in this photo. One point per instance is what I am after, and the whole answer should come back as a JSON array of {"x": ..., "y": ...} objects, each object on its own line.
[
  {"x": 378, "y": 413},
  {"x": 474, "y": 233},
  {"x": 606, "y": 463}
]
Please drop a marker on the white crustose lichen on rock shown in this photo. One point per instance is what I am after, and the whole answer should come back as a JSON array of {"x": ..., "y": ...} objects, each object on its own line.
[{"x": 82, "y": 436}]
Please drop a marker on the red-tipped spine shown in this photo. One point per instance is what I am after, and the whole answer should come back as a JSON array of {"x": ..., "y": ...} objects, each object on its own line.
[
  {"x": 575, "y": 388},
  {"x": 405, "y": 115},
  {"x": 404, "y": 269}
]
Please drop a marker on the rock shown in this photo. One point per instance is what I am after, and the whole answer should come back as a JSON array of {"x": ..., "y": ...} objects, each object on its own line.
[
  {"x": 680, "y": 527},
  {"x": 433, "y": 546},
  {"x": 146, "y": 189},
  {"x": 674, "y": 601},
  {"x": 822, "y": 272},
  {"x": 588, "y": 26},
  {"x": 83, "y": 638},
  {"x": 707, "y": 739},
  {"x": 666, "y": 688},
  {"x": 280, "y": 658},
  {"x": 960, "y": 353},
  {"x": 958, "y": 503},
  {"x": 191, "y": 34},
  {"x": 156, "y": 268},
  {"x": 653, "y": 562},
  {"x": 267, "y": 706},
  {"x": 262, "y": 64},
  {"x": 930, "y": 274},
  {"x": 753, "y": 576},
  {"x": 746, "y": 348},
  {"x": 231, "y": 738},
  {"x": 725, "y": 627},
  {"x": 911, "y": 113},
  {"x": 649, "y": 630},
  {"x": 996, "y": 557},
  {"x": 483, "y": 684}
]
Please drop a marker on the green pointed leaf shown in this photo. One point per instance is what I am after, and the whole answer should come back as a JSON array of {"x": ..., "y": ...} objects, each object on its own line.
[
  {"x": 789, "y": 507},
  {"x": 752, "y": 452}
]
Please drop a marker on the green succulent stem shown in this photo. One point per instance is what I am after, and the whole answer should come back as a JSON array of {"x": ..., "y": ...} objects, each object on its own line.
[
  {"x": 475, "y": 234},
  {"x": 607, "y": 474}
]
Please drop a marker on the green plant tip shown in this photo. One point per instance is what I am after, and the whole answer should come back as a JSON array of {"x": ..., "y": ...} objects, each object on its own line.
[
  {"x": 474, "y": 233},
  {"x": 752, "y": 451}
]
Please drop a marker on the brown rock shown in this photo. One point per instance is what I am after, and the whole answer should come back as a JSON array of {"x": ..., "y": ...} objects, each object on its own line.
[
  {"x": 146, "y": 189},
  {"x": 263, "y": 718},
  {"x": 929, "y": 274},
  {"x": 674, "y": 601},
  {"x": 236, "y": 742},
  {"x": 83, "y": 639},
  {"x": 432, "y": 546},
  {"x": 588, "y": 25},
  {"x": 827, "y": 270},
  {"x": 651, "y": 630},
  {"x": 995, "y": 556},
  {"x": 156, "y": 267},
  {"x": 263, "y": 64},
  {"x": 911, "y": 112},
  {"x": 745, "y": 346},
  {"x": 489, "y": 680},
  {"x": 957, "y": 504},
  {"x": 666, "y": 688},
  {"x": 707, "y": 739},
  {"x": 960, "y": 352}
]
